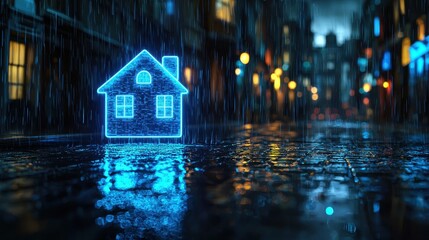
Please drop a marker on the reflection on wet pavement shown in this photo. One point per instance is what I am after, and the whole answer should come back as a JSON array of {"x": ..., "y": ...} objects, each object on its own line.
[{"x": 325, "y": 181}]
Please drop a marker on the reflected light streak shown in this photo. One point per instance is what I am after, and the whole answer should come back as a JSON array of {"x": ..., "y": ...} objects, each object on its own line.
[{"x": 143, "y": 188}]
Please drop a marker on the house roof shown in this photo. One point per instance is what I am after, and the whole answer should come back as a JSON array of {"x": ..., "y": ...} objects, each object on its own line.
[{"x": 132, "y": 64}]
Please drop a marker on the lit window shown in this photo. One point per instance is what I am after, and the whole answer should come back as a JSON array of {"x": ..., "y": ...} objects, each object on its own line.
[
  {"x": 402, "y": 6},
  {"x": 377, "y": 26},
  {"x": 405, "y": 51},
  {"x": 164, "y": 106},
  {"x": 144, "y": 77},
  {"x": 225, "y": 10},
  {"x": 124, "y": 106},
  {"x": 420, "y": 29},
  {"x": 16, "y": 71}
]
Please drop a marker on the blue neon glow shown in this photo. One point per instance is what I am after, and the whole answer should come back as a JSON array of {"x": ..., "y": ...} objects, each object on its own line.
[
  {"x": 138, "y": 116},
  {"x": 164, "y": 106},
  {"x": 329, "y": 211},
  {"x": 144, "y": 77},
  {"x": 420, "y": 66},
  {"x": 386, "y": 64},
  {"x": 142, "y": 187},
  {"x": 377, "y": 26},
  {"x": 170, "y": 7},
  {"x": 124, "y": 106},
  {"x": 417, "y": 50}
]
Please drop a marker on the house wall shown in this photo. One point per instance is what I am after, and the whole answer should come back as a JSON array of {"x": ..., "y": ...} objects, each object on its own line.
[{"x": 144, "y": 123}]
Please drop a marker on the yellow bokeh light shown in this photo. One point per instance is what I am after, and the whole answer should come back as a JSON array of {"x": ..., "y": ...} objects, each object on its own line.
[
  {"x": 273, "y": 76},
  {"x": 255, "y": 79},
  {"x": 314, "y": 90},
  {"x": 237, "y": 71},
  {"x": 366, "y": 87},
  {"x": 188, "y": 74},
  {"x": 278, "y": 71},
  {"x": 315, "y": 97},
  {"x": 385, "y": 84},
  {"x": 277, "y": 84},
  {"x": 245, "y": 58},
  {"x": 292, "y": 85}
]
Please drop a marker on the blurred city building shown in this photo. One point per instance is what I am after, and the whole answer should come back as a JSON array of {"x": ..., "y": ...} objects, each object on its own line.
[{"x": 395, "y": 44}]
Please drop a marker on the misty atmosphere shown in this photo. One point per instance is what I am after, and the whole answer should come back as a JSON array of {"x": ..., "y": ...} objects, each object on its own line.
[{"x": 214, "y": 119}]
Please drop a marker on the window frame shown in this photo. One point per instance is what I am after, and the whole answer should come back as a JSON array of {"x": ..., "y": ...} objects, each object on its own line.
[
  {"x": 144, "y": 72},
  {"x": 163, "y": 106},
  {"x": 14, "y": 83},
  {"x": 123, "y": 105}
]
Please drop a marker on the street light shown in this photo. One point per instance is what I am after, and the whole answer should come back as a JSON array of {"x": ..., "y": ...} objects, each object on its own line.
[
  {"x": 314, "y": 90},
  {"x": 245, "y": 58},
  {"x": 278, "y": 71}
]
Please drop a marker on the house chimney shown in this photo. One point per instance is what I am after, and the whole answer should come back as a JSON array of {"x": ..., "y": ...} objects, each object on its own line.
[{"x": 171, "y": 63}]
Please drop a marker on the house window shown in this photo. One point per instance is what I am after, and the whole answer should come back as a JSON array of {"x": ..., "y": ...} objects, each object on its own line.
[
  {"x": 164, "y": 106},
  {"x": 124, "y": 106},
  {"x": 144, "y": 77},
  {"x": 16, "y": 71},
  {"x": 225, "y": 10}
]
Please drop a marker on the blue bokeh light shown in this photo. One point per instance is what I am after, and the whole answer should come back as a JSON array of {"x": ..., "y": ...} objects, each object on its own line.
[{"x": 329, "y": 211}]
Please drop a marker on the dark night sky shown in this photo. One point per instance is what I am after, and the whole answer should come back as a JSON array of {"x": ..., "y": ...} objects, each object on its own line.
[{"x": 333, "y": 15}]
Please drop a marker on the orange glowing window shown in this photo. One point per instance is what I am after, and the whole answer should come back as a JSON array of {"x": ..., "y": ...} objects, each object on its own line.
[
  {"x": 225, "y": 10},
  {"x": 420, "y": 29},
  {"x": 405, "y": 60},
  {"x": 402, "y": 6},
  {"x": 16, "y": 70}
]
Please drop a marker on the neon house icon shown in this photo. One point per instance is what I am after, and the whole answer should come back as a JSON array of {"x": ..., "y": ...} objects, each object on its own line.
[{"x": 144, "y": 99}]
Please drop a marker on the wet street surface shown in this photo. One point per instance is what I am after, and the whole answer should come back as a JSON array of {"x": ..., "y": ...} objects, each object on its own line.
[{"x": 278, "y": 181}]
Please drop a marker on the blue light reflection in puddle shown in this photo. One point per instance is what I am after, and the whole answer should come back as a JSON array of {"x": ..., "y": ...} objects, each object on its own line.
[{"x": 143, "y": 189}]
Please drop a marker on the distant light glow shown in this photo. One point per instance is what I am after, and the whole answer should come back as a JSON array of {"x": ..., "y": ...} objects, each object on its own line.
[
  {"x": 274, "y": 77},
  {"x": 329, "y": 211},
  {"x": 292, "y": 85},
  {"x": 314, "y": 90},
  {"x": 299, "y": 94},
  {"x": 319, "y": 41},
  {"x": 386, "y": 62},
  {"x": 377, "y": 26},
  {"x": 315, "y": 97},
  {"x": 366, "y": 87},
  {"x": 237, "y": 71},
  {"x": 170, "y": 7},
  {"x": 406, "y": 42},
  {"x": 277, "y": 83},
  {"x": 245, "y": 58},
  {"x": 385, "y": 84},
  {"x": 255, "y": 79},
  {"x": 366, "y": 101},
  {"x": 278, "y": 71},
  {"x": 420, "y": 66},
  {"x": 188, "y": 74}
]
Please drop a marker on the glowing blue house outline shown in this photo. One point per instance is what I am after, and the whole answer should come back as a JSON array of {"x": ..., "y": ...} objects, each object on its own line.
[{"x": 141, "y": 81}]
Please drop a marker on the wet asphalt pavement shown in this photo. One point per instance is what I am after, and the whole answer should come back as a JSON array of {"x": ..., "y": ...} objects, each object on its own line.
[{"x": 309, "y": 181}]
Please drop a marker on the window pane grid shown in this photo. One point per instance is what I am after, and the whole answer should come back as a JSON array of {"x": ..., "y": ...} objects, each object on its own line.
[
  {"x": 124, "y": 106},
  {"x": 164, "y": 106},
  {"x": 16, "y": 70}
]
